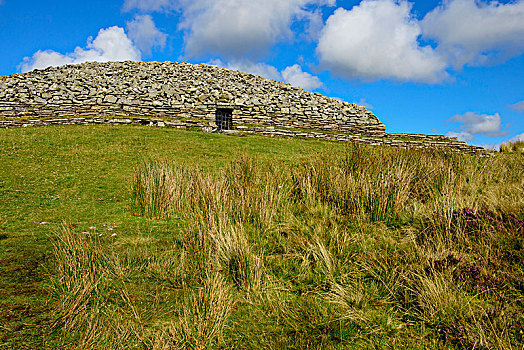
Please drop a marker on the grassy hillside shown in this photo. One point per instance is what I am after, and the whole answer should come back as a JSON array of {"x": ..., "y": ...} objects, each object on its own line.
[{"x": 135, "y": 237}]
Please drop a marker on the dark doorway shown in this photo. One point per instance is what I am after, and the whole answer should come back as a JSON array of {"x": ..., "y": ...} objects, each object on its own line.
[{"x": 224, "y": 118}]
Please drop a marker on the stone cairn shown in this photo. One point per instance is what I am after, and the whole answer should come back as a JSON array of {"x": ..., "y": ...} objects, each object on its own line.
[{"x": 183, "y": 95}]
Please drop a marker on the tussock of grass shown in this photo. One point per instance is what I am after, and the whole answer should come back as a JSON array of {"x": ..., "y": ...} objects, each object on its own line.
[
  {"x": 154, "y": 189},
  {"x": 203, "y": 315}
]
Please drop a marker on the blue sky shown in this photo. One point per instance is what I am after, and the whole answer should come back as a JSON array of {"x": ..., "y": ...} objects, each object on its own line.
[{"x": 454, "y": 67}]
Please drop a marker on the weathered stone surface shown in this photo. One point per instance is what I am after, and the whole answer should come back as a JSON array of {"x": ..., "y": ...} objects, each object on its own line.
[{"x": 110, "y": 99}]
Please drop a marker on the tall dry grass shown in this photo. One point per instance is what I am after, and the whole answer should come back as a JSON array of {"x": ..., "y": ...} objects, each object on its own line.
[
  {"x": 369, "y": 248},
  {"x": 154, "y": 189},
  {"x": 203, "y": 315},
  {"x": 99, "y": 297}
]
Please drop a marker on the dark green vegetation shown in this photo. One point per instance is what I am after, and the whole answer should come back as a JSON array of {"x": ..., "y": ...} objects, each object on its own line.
[{"x": 133, "y": 237}]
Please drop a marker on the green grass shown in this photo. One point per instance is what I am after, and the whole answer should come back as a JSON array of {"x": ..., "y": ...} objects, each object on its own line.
[{"x": 135, "y": 237}]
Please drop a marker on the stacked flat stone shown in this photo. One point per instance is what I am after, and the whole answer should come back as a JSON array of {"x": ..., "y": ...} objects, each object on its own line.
[{"x": 179, "y": 90}]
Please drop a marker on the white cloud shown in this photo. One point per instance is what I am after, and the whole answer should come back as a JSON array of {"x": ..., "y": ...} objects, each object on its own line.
[
  {"x": 378, "y": 40},
  {"x": 296, "y": 77},
  {"x": 518, "y": 107},
  {"x": 43, "y": 59},
  {"x": 461, "y": 136},
  {"x": 144, "y": 33},
  {"x": 478, "y": 124},
  {"x": 241, "y": 28},
  {"x": 111, "y": 44},
  {"x": 148, "y": 5},
  {"x": 477, "y": 32}
]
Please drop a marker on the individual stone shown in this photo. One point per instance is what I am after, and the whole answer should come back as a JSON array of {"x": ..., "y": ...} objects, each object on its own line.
[{"x": 110, "y": 99}]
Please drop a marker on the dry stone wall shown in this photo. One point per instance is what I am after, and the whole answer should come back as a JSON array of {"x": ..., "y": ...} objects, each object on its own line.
[
  {"x": 412, "y": 141},
  {"x": 176, "y": 90}
]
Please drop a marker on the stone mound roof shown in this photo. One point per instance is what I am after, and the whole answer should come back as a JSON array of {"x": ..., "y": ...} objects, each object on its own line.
[{"x": 176, "y": 90}]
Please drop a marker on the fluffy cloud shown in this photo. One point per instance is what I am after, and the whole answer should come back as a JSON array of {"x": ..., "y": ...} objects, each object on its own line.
[
  {"x": 240, "y": 28},
  {"x": 144, "y": 33},
  {"x": 43, "y": 59},
  {"x": 111, "y": 44},
  {"x": 470, "y": 31},
  {"x": 295, "y": 76},
  {"x": 378, "y": 40},
  {"x": 518, "y": 107},
  {"x": 477, "y": 124}
]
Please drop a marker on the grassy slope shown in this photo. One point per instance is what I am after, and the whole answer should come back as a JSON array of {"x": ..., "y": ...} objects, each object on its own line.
[
  {"x": 331, "y": 281},
  {"x": 81, "y": 175}
]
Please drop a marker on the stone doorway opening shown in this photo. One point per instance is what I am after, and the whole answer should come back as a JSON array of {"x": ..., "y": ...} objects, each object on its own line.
[{"x": 224, "y": 118}]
